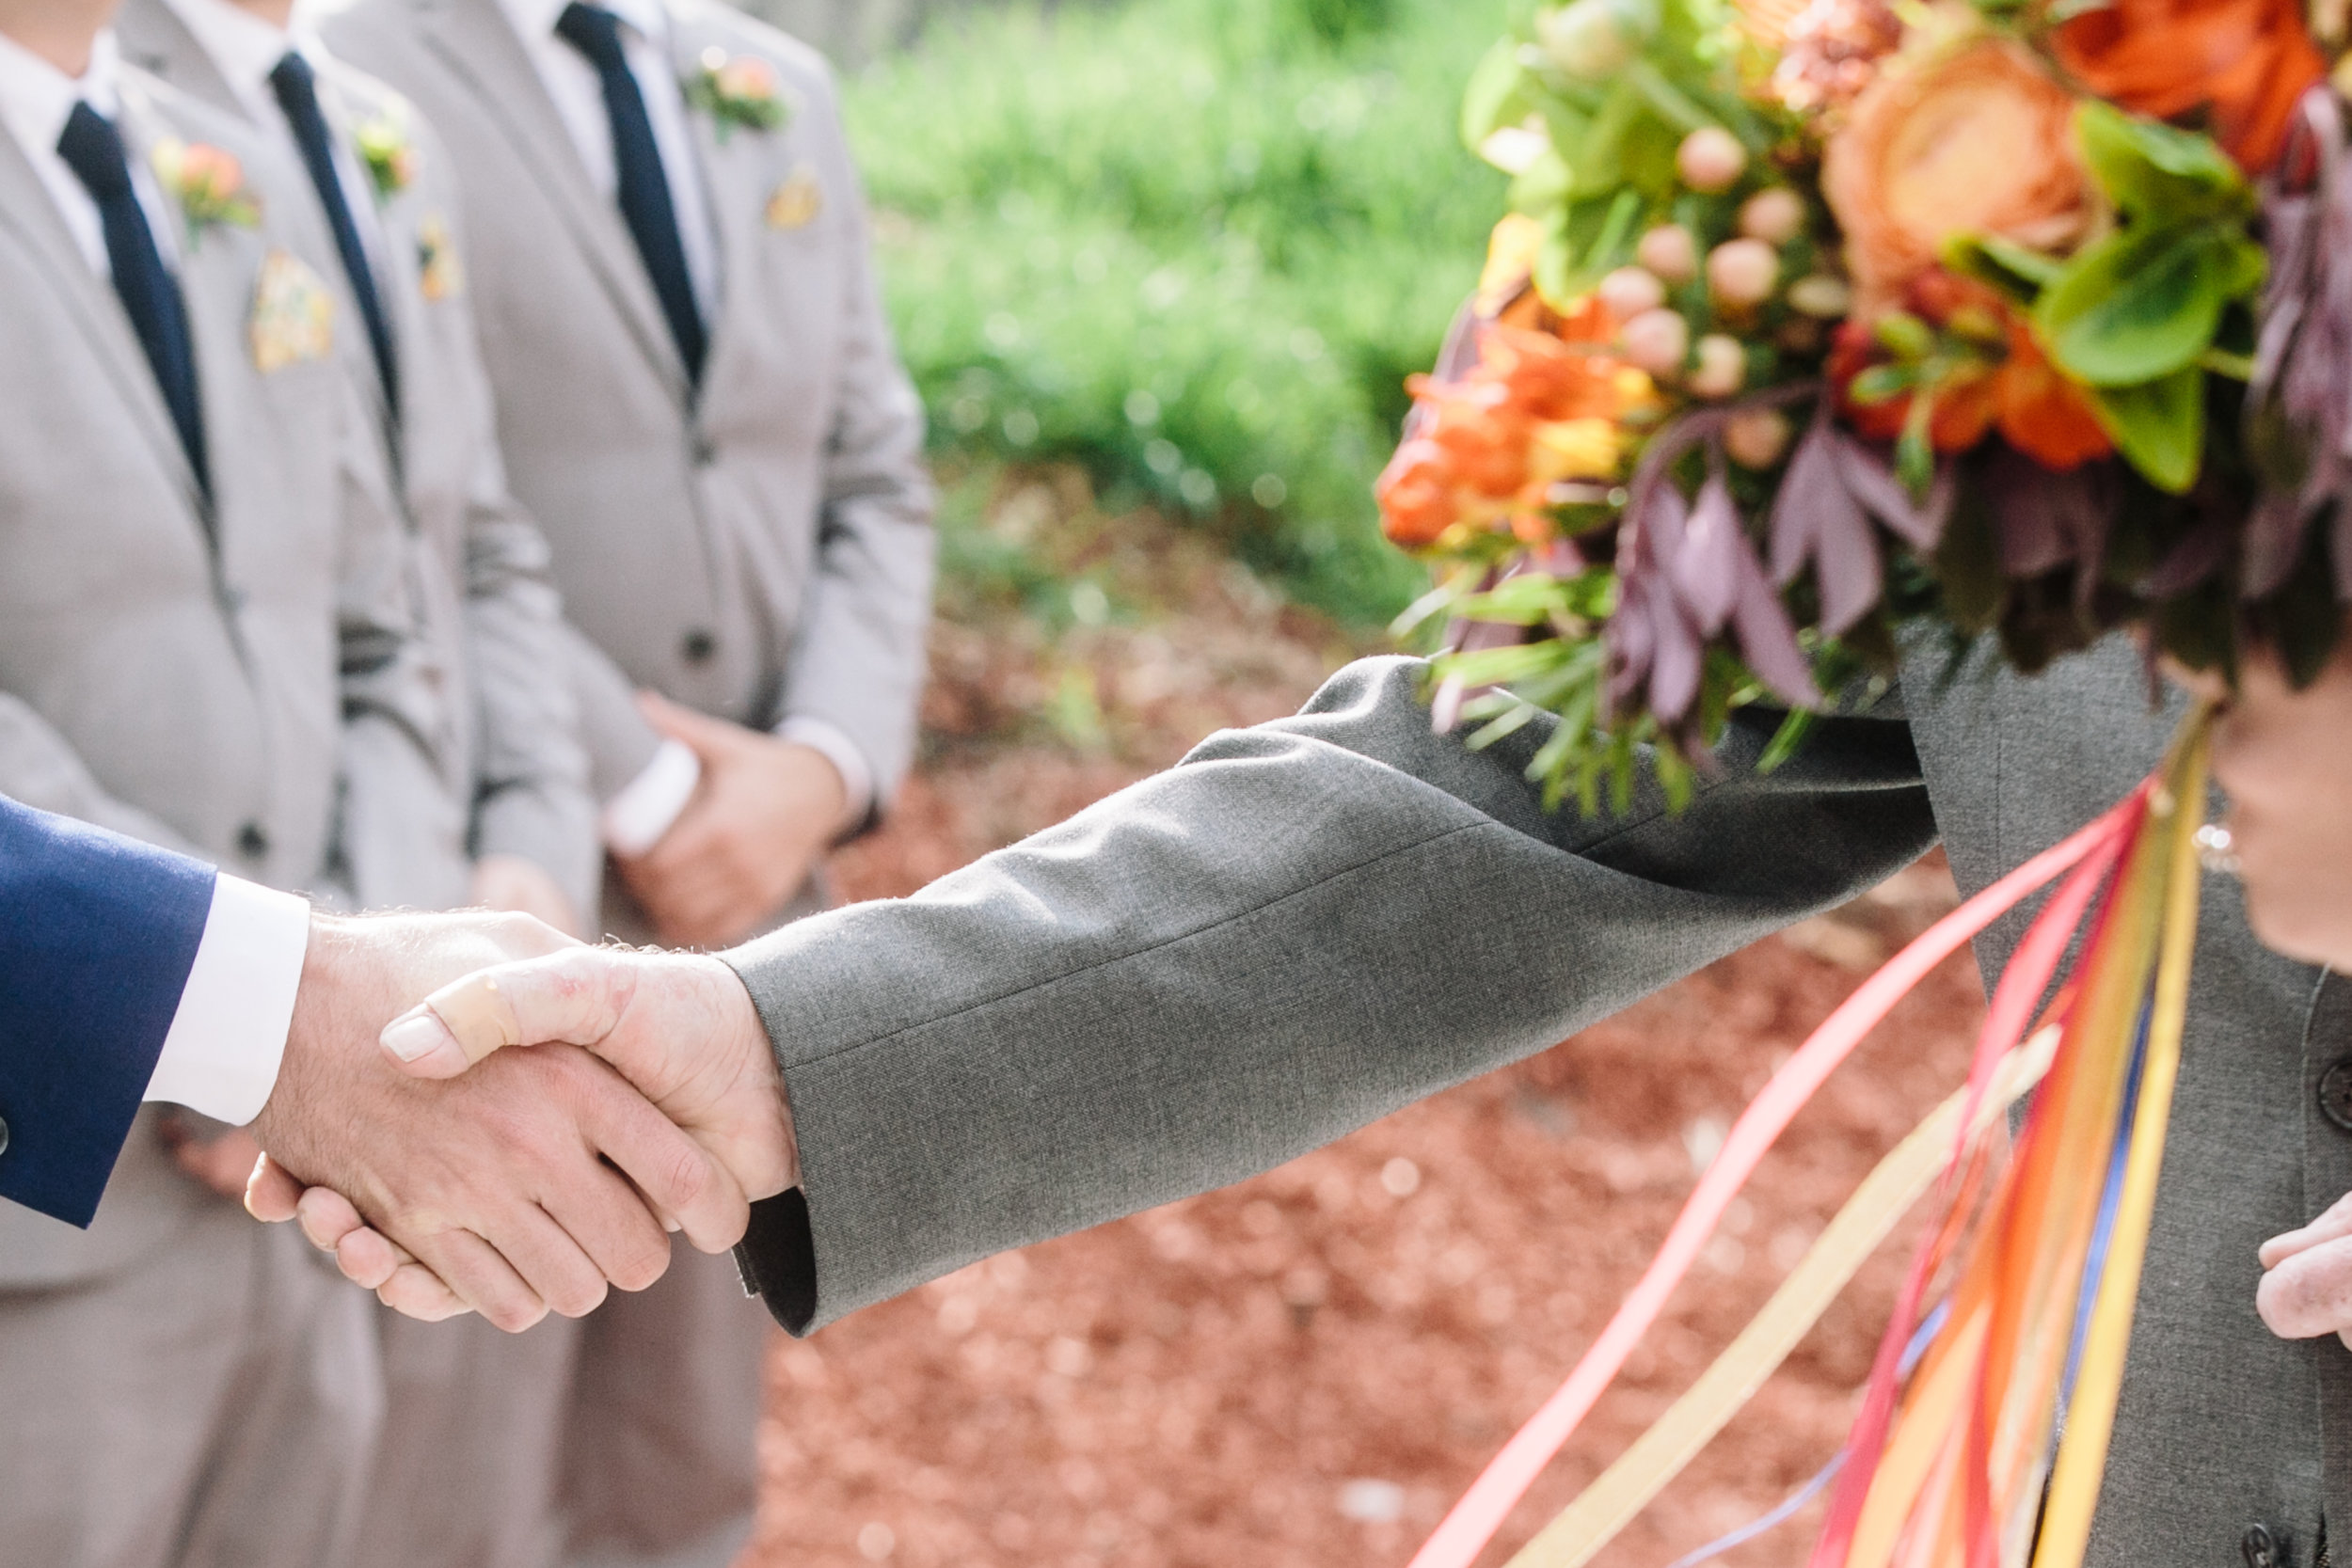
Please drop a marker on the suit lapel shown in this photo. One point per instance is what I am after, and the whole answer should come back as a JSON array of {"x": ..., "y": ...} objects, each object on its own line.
[
  {"x": 742, "y": 168},
  {"x": 478, "y": 44},
  {"x": 158, "y": 43},
  {"x": 27, "y": 209},
  {"x": 395, "y": 267}
]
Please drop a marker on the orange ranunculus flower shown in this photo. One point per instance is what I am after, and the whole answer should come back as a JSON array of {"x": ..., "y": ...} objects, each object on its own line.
[
  {"x": 2246, "y": 62},
  {"x": 1979, "y": 140},
  {"x": 2043, "y": 414},
  {"x": 1416, "y": 495}
]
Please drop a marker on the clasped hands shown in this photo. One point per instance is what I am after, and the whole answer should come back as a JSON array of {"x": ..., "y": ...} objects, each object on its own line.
[{"x": 448, "y": 1176}]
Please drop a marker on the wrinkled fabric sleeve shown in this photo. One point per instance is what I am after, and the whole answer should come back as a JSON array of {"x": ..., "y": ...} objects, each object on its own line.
[{"x": 1297, "y": 929}]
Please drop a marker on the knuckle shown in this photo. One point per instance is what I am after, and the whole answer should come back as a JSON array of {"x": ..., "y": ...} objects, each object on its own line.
[{"x": 641, "y": 1265}]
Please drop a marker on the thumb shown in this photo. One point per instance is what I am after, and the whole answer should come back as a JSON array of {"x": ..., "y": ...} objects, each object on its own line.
[
  {"x": 574, "y": 996},
  {"x": 698, "y": 732}
]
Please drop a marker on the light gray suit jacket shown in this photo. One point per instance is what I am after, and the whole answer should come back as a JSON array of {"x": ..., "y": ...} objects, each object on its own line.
[
  {"x": 515, "y": 769},
  {"x": 1308, "y": 925},
  {"x": 761, "y": 551},
  {"x": 194, "y": 674}
]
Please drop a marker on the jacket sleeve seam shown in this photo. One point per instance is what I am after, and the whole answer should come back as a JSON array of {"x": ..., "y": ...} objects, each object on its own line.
[{"x": 1350, "y": 870}]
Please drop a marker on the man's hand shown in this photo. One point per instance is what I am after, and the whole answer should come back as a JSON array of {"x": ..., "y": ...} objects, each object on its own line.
[
  {"x": 682, "y": 1028},
  {"x": 498, "y": 1182},
  {"x": 222, "y": 1160},
  {"x": 2307, "y": 1278},
  {"x": 518, "y": 886},
  {"x": 2285, "y": 758},
  {"x": 765, "y": 811}
]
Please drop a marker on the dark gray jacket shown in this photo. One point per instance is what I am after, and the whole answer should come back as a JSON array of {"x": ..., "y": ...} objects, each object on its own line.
[{"x": 1305, "y": 925}]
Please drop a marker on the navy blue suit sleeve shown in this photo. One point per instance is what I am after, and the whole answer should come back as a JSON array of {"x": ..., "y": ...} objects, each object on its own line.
[{"x": 97, "y": 935}]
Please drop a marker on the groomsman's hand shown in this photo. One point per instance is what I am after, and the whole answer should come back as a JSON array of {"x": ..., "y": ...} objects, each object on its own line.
[
  {"x": 680, "y": 1028},
  {"x": 765, "y": 811},
  {"x": 515, "y": 885},
  {"x": 496, "y": 1181}
]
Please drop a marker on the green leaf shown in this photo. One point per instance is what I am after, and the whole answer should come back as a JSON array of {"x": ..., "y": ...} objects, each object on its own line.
[
  {"x": 2015, "y": 270},
  {"x": 1670, "y": 103},
  {"x": 2159, "y": 426},
  {"x": 1497, "y": 95},
  {"x": 2150, "y": 169},
  {"x": 1542, "y": 186},
  {"x": 1596, "y": 159},
  {"x": 1882, "y": 384},
  {"x": 1555, "y": 267},
  {"x": 2139, "y": 304}
]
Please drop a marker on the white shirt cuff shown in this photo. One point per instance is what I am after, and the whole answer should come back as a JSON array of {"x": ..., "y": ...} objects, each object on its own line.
[
  {"x": 635, "y": 819},
  {"x": 221, "y": 1055},
  {"x": 857, "y": 776}
]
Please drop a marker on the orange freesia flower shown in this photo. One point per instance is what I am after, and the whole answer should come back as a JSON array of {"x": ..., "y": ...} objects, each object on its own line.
[
  {"x": 2037, "y": 409},
  {"x": 1977, "y": 141},
  {"x": 1486, "y": 448},
  {"x": 2244, "y": 63},
  {"x": 2042, "y": 413},
  {"x": 1416, "y": 494},
  {"x": 1547, "y": 379},
  {"x": 1484, "y": 434}
]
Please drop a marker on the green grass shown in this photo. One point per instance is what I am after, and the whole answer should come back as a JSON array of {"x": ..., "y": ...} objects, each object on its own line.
[{"x": 1193, "y": 245}]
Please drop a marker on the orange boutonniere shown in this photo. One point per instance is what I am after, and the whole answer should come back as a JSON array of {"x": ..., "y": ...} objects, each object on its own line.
[
  {"x": 208, "y": 184},
  {"x": 736, "y": 91}
]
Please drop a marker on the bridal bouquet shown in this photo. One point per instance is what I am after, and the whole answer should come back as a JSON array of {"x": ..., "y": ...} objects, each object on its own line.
[
  {"x": 1814, "y": 318},
  {"x": 1818, "y": 325}
]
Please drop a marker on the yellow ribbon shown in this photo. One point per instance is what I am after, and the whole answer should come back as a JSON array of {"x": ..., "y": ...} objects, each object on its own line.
[
  {"x": 1622, "y": 1491},
  {"x": 2082, "y": 1456}
]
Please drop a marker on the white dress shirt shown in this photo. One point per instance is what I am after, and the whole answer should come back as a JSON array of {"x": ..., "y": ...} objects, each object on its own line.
[
  {"x": 221, "y": 1054},
  {"x": 577, "y": 93},
  {"x": 245, "y": 49},
  {"x": 36, "y": 100},
  {"x": 637, "y": 817}
]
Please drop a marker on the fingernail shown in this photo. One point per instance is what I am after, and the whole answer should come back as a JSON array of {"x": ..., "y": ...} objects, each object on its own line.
[{"x": 414, "y": 1034}]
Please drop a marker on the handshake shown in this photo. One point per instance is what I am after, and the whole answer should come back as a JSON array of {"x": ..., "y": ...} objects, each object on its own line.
[{"x": 448, "y": 1175}]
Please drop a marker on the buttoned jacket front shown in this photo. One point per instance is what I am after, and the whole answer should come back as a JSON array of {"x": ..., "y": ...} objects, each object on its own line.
[
  {"x": 758, "y": 546},
  {"x": 513, "y": 766}
]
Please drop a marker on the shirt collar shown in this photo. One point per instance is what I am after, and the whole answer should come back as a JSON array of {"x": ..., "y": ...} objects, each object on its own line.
[
  {"x": 243, "y": 47},
  {"x": 37, "y": 99},
  {"x": 535, "y": 19}
]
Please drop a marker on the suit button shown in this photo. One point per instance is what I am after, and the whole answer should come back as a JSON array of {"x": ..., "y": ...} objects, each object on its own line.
[
  {"x": 699, "y": 645},
  {"x": 2261, "y": 1547},
  {"x": 4, "y": 1134},
  {"x": 252, "y": 841},
  {"x": 704, "y": 452},
  {"x": 2335, "y": 1093}
]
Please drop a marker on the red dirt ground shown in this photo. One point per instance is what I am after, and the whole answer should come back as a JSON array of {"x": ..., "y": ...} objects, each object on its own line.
[{"x": 1304, "y": 1369}]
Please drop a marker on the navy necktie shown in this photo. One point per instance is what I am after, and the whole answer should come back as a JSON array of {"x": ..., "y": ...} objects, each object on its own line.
[
  {"x": 296, "y": 86},
  {"x": 644, "y": 187},
  {"x": 92, "y": 149}
]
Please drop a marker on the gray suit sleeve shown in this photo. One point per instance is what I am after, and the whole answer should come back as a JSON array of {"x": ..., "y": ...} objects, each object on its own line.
[
  {"x": 1297, "y": 929},
  {"x": 532, "y": 770},
  {"x": 400, "y": 839},
  {"x": 857, "y": 657}
]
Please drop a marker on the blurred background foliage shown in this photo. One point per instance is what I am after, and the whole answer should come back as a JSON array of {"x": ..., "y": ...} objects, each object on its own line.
[{"x": 1192, "y": 246}]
